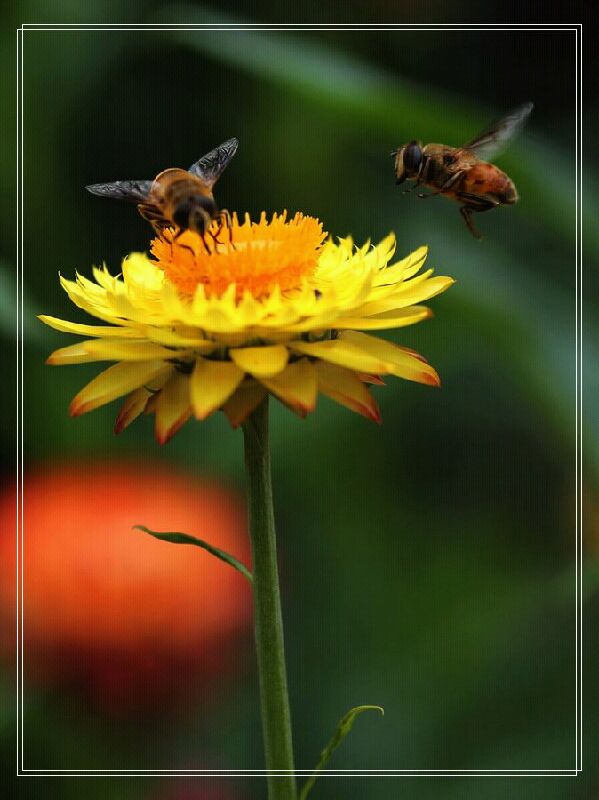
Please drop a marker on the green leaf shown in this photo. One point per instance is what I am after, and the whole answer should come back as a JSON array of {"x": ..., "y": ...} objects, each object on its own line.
[
  {"x": 343, "y": 728},
  {"x": 17, "y": 309},
  {"x": 184, "y": 538}
]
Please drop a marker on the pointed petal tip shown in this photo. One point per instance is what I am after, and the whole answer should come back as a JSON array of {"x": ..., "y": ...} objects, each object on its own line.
[
  {"x": 413, "y": 353},
  {"x": 121, "y": 422},
  {"x": 373, "y": 414},
  {"x": 164, "y": 436},
  {"x": 234, "y": 423},
  {"x": 370, "y": 410},
  {"x": 76, "y": 409},
  {"x": 303, "y": 409},
  {"x": 203, "y": 415},
  {"x": 308, "y": 408},
  {"x": 367, "y": 377},
  {"x": 297, "y": 409},
  {"x": 431, "y": 379}
]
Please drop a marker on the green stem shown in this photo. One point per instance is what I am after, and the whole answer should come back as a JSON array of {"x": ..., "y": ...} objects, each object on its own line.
[{"x": 268, "y": 620}]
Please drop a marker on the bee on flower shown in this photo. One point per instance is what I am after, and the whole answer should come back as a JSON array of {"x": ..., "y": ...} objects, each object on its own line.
[{"x": 284, "y": 311}]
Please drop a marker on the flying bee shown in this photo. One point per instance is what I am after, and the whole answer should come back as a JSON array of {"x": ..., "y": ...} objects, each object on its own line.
[
  {"x": 177, "y": 197},
  {"x": 463, "y": 173}
]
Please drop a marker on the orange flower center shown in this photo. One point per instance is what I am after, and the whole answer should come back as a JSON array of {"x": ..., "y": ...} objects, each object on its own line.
[{"x": 255, "y": 256}]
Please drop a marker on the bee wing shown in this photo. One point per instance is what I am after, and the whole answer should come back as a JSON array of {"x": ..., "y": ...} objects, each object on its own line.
[
  {"x": 211, "y": 166},
  {"x": 498, "y": 134},
  {"x": 130, "y": 191}
]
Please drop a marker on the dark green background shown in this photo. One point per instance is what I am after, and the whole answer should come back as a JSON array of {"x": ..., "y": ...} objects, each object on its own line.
[{"x": 428, "y": 564}]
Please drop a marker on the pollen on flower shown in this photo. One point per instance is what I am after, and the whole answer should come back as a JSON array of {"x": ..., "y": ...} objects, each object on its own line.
[{"x": 256, "y": 257}]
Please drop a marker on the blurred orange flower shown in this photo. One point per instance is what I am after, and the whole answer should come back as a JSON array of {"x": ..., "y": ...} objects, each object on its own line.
[
  {"x": 212, "y": 790},
  {"x": 126, "y": 615}
]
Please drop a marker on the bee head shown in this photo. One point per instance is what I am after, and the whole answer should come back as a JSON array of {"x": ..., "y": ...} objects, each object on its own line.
[
  {"x": 408, "y": 159},
  {"x": 195, "y": 213}
]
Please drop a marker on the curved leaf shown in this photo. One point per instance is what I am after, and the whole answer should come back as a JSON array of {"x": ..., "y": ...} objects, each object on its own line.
[
  {"x": 343, "y": 728},
  {"x": 175, "y": 537}
]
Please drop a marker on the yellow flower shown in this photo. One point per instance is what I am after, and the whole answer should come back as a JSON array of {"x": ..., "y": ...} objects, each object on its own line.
[{"x": 257, "y": 307}]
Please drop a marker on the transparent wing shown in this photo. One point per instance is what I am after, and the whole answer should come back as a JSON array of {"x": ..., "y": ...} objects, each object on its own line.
[
  {"x": 211, "y": 166},
  {"x": 130, "y": 191},
  {"x": 499, "y": 133}
]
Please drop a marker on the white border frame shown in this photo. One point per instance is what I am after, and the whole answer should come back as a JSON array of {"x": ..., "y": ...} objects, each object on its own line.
[{"x": 22, "y": 771}]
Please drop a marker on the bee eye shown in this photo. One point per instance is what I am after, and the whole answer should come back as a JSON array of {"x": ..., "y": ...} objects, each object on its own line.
[{"x": 412, "y": 157}]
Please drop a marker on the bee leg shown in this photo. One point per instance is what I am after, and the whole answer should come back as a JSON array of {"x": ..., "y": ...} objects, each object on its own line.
[
  {"x": 205, "y": 241},
  {"x": 216, "y": 234},
  {"x": 152, "y": 215},
  {"x": 422, "y": 176},
  {"x": 158, "y": 229},
  {"x": 422, "y": 173},
  {"x": 224, "y": 219},
  {"x": 213, "y": 234},
  {"x": 227, "y": 222},
  {"x": 447, "y": 185},
  {"x": 474, "y": 203},
  {"x": 466, "y": 212},
  {"x": 174, "y": 238}
]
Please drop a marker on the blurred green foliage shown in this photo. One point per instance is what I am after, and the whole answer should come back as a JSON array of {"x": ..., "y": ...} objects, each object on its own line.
[{"x": 428, "y": 565}]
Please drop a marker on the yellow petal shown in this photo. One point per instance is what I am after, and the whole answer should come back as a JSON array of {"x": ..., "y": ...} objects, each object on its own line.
[
  {"x": 243, "y": 402},
  {"x": 90, "y": 298},
  {"x": 402, "y": 269},
  {"x": 263, "y": 362},
  {"x": 389, "y": 319},
  {"x": 112, "y": 350},
  {"x": 151, "y": 404},
  {"x": 173, "y": 407},
  {"x": 119, "y": 350},
  {"x": 90, "y": 330},
  {"x": 408, "y": 294},
  {"x": 211, "y": 384},
  {"x": 346, "y": 388},
  {"x": 345, "y": 354},
  {"x": 73, "y": 354},
  {"x": 412, "y": 263},
  {"x": 400, "y": 361},
  {"x": 133, "y": 406},
  {"x": 296, "y": 386},
  {"x": 186, "y": 337},
  {"x": 367, "y": 377},
  {"x": 140, "y": 401},
  {"x": 117, "y": 380}
]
